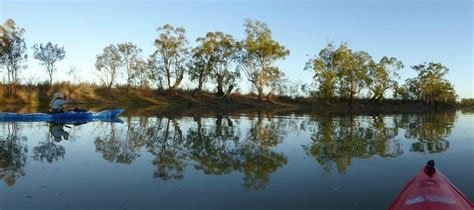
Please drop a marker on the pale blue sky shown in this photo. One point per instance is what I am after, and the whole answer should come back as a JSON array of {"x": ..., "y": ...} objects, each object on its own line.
[{"x": 414, "y": 31}]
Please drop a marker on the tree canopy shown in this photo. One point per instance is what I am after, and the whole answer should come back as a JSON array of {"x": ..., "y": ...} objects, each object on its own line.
[
  {"x": 48, "y": 55},
  {"x": 13, "y": 54},
  {"x": 258, "y": 55}
]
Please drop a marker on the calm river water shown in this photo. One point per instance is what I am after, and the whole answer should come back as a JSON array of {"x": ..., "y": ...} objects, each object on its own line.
[{"x": 230, "y": 160}]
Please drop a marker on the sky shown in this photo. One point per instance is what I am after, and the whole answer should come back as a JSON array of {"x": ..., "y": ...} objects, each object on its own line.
[{"x": 413, "y": 31}]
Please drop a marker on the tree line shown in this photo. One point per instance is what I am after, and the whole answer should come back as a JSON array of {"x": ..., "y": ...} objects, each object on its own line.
[
  {"x": 343, "y": 74},
  {"x": 340, "y": 73}
]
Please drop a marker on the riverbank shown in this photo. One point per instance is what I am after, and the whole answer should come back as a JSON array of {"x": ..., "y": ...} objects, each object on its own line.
[{"x": 85, "y": 95}]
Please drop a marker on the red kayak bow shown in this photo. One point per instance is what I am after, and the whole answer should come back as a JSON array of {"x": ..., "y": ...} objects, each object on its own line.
[{"x": 430, "y": 189}]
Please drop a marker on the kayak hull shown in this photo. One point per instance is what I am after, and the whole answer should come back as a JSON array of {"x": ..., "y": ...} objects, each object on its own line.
[
  {"x": 71, "y": 116},
  {"x": 431, "y": 192}
]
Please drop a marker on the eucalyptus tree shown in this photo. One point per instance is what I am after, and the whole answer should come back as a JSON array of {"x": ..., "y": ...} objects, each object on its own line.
[
  {"x": 325, "y": 72},
  {"x": 352, "y": 71},
  {"x": 129, "y": 53},
  {"x": 279, "y": 80},
  {"x": 12, "y": 52},
  {"x": 430, "y": 85},
  {"x": 142, "y": 70},
  {"x": 217, "y": 53},
  {"x": 48, "y": 55},
  {"x": 171, "y": 54},
  {"x": 108, "y": 65},
  {"x": 258, "y": 55},
  {"x": 200, "y": 66},
  {"x": 155, "y": 77},
  {"x": 383, "y": 75}
]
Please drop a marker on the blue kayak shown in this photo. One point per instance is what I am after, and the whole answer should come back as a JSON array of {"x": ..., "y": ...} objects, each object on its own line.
[{"x": 70, "y": 116}]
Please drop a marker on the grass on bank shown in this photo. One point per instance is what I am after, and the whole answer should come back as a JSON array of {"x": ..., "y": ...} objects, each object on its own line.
[{"x": 40, "y": 95}]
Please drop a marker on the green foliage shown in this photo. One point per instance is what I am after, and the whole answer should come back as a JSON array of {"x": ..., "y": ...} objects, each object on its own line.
[
  {"x": 142, "y": 72},
  {"x": 48, "y": 55},
  {"x": 200, "y": 67},
  {"x": 130, "y": 53},
  {"x": 213, "y": 57},
  {"x": 259, "y": 53},
  {"x": 383, "y": 75},
  {"x": 12, "y": 52},
  {"x": 340, "y": 71},
  {"x": 171, "y": 55},
  {"x": 430, "y": 86},
  {"x": 467, "y": 102},
  {"x": 324, "y": 72},
  {"x": 344, "y": 73},
  {"x": 108, "y": 64},
  {"x": 353, "y": 70}
]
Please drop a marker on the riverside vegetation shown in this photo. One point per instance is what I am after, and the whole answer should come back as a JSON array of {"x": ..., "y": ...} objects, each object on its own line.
[{"x": 342, "y": 76}]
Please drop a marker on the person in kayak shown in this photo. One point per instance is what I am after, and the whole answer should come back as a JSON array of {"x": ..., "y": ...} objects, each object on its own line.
[
  {"x": 57, "y": 131},
  {"x": 57, "y": 103}
]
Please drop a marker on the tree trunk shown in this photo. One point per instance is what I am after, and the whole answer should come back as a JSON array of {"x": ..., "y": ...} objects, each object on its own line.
[
  {"x": 168, "y": 77},
  {"x": 269, "y": 96},
  {"x": 50, "y": 70},
  {"x": 220, "y": 91},
  {"x": 177, "y": 82},
  {"x": 129, "y": 74},
  {"x": 200, "y": 83},
  {"x": 50, "y": 80},
  {"x": 260, "y": 93},
  {"x": 220, "y": 88},
  {"x": 227, "y": 94}
]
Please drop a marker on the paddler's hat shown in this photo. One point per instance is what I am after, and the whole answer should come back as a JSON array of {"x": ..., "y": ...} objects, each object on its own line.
[{"x": 58, "y": 95}]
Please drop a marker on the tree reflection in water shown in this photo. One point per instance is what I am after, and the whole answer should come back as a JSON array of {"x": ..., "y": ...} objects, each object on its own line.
[
  {"x": 13, "y": 152},
  {"x": 221, "y": 151},
  {"x": 430, "y": 129},
  {"x": 221, "y": 145},
  {"x": 224, "y": 144},
  {"x": 115, "y": 146},
  {"x": 166, "y": 144},
  {"x": 215, "y": 149},
  {"x": 48, "y": 150},
  {"x": 336, "y": 141}
]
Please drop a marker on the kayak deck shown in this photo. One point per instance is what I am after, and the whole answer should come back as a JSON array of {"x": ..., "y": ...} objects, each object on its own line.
[{"x": 430, "y": 189}]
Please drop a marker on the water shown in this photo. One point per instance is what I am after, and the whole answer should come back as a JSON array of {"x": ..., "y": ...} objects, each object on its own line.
[{"x": 233, "y": 160}]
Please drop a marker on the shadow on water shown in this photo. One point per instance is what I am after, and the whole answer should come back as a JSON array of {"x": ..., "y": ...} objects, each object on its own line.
[{"x": 226, "y": 141}]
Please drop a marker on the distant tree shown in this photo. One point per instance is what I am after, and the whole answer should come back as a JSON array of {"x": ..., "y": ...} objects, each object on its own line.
[
  {"x": 108, "y": 65},
  {"x": 274, "y": 84},
  {"x": 12, "y": 52},
  {"x": 259, "y": 52},
  {"x": 156, "y": 78},
  {"x": 467, "y": 102},
  {"x": 48, "y": 55},
  {"x": 382, "y": 76},
  {"x": 200, "y": 66},
  {"x": 171, "y": 54},
  {"x": 129, "y": 53},
  {"x": 353, "y": 70},
  {"x": 325, "y": 73},
  {"x": 430, "y": 85},
  {"x": 218, "y": 52},
  {"x": 142, "y": 73}
]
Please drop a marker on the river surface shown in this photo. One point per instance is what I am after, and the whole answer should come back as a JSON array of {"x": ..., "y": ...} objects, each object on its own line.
[{"x": 230, "y": 160}]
